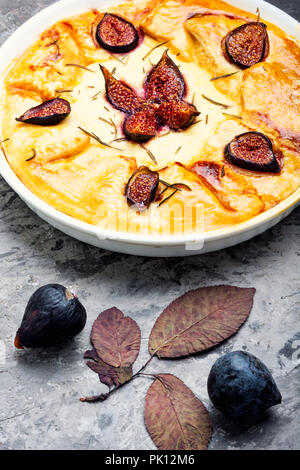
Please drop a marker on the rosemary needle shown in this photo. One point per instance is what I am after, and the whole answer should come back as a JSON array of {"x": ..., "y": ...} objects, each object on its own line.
[
  {"x": 95, "y": 137},
  {"x": 223, "y": 76},
  {"x": 225, "y": 106},
  {"x": 155, "y": 47},
  {"x": 80, "y": 66},
  {"x": 32, "y": 157},
  {"x": 167, "y": 198}
]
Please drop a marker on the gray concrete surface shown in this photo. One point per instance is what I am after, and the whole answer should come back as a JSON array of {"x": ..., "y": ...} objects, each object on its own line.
[{"x": 39, "y": 390}]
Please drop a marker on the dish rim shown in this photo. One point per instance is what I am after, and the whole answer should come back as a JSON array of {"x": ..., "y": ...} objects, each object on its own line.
[{"x": 57, "y": 11}]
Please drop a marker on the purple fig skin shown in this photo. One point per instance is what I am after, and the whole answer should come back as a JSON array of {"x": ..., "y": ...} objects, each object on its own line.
[
  {"x": 53, "y": 315},
  {"x": 245, "y": 49},
  {"x": 48, "y": 113},
  {"x": 252, "y": 151},
  {"x": 141, "y": 187},
  {"x": 115, "y": 34}
]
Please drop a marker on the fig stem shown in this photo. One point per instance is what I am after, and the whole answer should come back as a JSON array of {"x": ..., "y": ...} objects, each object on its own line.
[{"x": 104, "y": 396}]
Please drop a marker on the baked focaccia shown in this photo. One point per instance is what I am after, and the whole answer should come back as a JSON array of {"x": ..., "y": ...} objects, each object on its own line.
[{"x": 160, "y": 117}]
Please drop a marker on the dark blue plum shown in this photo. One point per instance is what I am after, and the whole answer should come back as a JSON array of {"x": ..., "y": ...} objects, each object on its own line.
[
  {"x": 240, "y": 385},
  {"x": 53, "y": 315}
]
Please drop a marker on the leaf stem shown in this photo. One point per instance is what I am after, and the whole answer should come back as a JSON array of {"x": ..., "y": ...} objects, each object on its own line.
[{"x": 142, "y": 368}]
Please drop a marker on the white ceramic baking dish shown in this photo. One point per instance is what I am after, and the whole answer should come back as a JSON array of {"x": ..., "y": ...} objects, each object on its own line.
[{"x": 135, "y": 243}]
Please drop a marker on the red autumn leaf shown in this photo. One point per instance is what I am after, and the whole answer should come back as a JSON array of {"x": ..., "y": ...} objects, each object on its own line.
[
  {"x": 174, "y": 417},
  {"x": 116, "y": 338},
  {"x": 108, "y": 375},
  {"x": 200, "y": 319}
]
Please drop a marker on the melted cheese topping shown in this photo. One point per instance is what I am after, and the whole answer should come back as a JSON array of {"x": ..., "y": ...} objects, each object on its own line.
[{"x": 84, "y": 179}]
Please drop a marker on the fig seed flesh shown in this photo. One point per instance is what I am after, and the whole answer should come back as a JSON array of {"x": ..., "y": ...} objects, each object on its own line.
[
  {"x": 141, "y": 126},
  {"x": 48, "y": 113},
  {"x": 141, "y": 187},
  {"x": 165, "y": 81},
  {"x": 177, "y": 114},
  {"x": 248, "y": 44},
  {"x": 120, "y": 95},
  {"x": 252, "y": 151},
  {"x": 115, "y": 34}
]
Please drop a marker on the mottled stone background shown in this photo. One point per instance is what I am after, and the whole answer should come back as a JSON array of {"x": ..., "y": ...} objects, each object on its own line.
[{"x": 40, "y": 390}]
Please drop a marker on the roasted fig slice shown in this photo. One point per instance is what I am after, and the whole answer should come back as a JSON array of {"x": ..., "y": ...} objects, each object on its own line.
[
  {"x": 177, "y": 114},
  {"x": 165, "y": 81},
  {"x": 116, "y": 34},
  {"x": 248, "y": 44},
  {"x": 141, "y": 187},
  {"x": 141, "y": 126},
  {"x": 120, "y": 95},
  {"x": 252, "y": 151},
  {"x": 48, "y": 113}
]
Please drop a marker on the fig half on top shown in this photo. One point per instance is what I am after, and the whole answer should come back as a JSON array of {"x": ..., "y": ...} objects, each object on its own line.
[
  {"x": 120, "y": 95},
  {"x": 115, "y": 34},
  {"x": 142, "y": 125},
  {"x": 141, "y": 187},
  {"x": 165, "y": 81},
  {"x": 48, "y": 113},
  {"x": 177, "y": 114},
  {"x": 248, "y": 44},
  {"x": 252, "y": 151}
]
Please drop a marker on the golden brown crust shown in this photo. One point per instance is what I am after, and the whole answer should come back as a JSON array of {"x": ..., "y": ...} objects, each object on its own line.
[{"x": 86, "y": 180}]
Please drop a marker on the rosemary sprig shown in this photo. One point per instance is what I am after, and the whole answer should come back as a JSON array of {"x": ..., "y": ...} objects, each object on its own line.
[
  {"x": 225, "y": 106},
  {"x": 223, "y": 76},
  {"x": 94, "y": 97},
  {"x": 112, "y": 124},
  {"x": 105, "y": 120},
  {"x": 155, "y": 47},
  {"x": 32, "y": 156},
  {"x": 80, "y": 67},
  {"x": 175, "y": 185},
  {"x": 95, "y": 137},
  {"x": 206, "y": 119},
  {"x": 115, "y": 127},
  {"x": 120, "y": 139},
  {"x": 166, "y": 133},
  {"x": 150, "y": 154},
  {"x": 232, "y": 115},
  {"x": 178, "y": 149},
  {"x": 63, "y": 91},
  {"x": 167, "y": 198}
]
